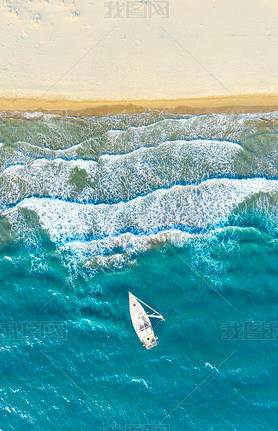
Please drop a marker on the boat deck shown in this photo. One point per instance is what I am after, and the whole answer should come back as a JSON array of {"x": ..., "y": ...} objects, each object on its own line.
[{"x": 142, "y": 323}]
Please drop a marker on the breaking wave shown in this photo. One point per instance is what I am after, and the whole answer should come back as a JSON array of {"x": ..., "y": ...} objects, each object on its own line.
[{"x": 105, "y": 189}]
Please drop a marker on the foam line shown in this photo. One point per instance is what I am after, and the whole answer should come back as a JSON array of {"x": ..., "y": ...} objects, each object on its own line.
[{"x": 201, "y": 207}]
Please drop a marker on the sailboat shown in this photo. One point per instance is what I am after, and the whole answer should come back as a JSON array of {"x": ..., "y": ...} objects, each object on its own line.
[{"x": 141, "y": 321}]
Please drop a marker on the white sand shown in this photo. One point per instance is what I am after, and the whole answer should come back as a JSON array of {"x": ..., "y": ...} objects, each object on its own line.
[{"x": 68, "y": 49}]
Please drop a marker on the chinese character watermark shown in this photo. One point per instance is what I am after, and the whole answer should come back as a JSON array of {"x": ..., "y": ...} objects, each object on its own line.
[
  {"x": 250, "y": 330},
  {"x": 137, "y": 427},
  {"x": 137, "y": 9},
  {"x": 14, "y": 330}
]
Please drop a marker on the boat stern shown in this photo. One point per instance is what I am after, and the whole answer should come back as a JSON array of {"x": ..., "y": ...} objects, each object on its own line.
[{"x": 150, "y": 344}]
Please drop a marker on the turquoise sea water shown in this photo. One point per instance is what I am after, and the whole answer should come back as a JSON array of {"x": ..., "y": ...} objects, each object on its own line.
[{"x": 180, "y": 210}]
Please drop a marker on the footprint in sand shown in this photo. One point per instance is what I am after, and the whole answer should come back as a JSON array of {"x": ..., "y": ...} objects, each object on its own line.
[
  {"x": 75, "y": 14},
  {"x": 23, "y": 35},
  {"x": 12, "y": 10},
  {"x": 37, "y": 18}
]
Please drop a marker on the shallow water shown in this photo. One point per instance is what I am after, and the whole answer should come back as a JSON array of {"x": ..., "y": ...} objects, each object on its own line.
[{"x": 180, "y": 210}]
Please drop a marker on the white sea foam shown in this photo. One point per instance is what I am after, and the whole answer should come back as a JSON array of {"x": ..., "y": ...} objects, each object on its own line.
[
  {"x": 129, "y": 243},
  {"x": 103, "y": 253},
  {"x": 202, "y": 206},
  {"x": 207, "y": 126},
  {"x": 211, "y": 366},
  {"x": 12, "y": 169},
  {"x": 37, "y": 151},
  {"x": 8, "y": 258},
  {"x": 206, "y": 146},
  {"x": 136, "y": 167},
  {"x": 33, "y": 115},
  {"x": 116, "y": 177}
]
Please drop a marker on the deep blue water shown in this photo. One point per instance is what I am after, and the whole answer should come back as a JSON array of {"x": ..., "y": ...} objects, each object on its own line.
[{"x": 182, "y": 211}]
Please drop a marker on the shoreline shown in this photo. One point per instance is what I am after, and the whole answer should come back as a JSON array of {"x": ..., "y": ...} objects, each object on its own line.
[{"x": 248, "y": 103}]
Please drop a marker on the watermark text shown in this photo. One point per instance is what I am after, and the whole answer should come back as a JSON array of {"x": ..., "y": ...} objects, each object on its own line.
[
  {"x": 15, "y": 330},
  {"x": 250, "y": 330},
  {"x": 137, "y": 427},
  {"x": 137, "y": 9}
]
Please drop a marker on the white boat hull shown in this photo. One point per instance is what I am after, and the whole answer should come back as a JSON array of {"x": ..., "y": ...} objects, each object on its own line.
[{"x": 141, "y": 323}]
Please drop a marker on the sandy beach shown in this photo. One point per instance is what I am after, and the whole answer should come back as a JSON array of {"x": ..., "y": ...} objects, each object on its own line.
[
  {"x": 97, "y": 57},
  {"x": 201, "y": 105}
]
